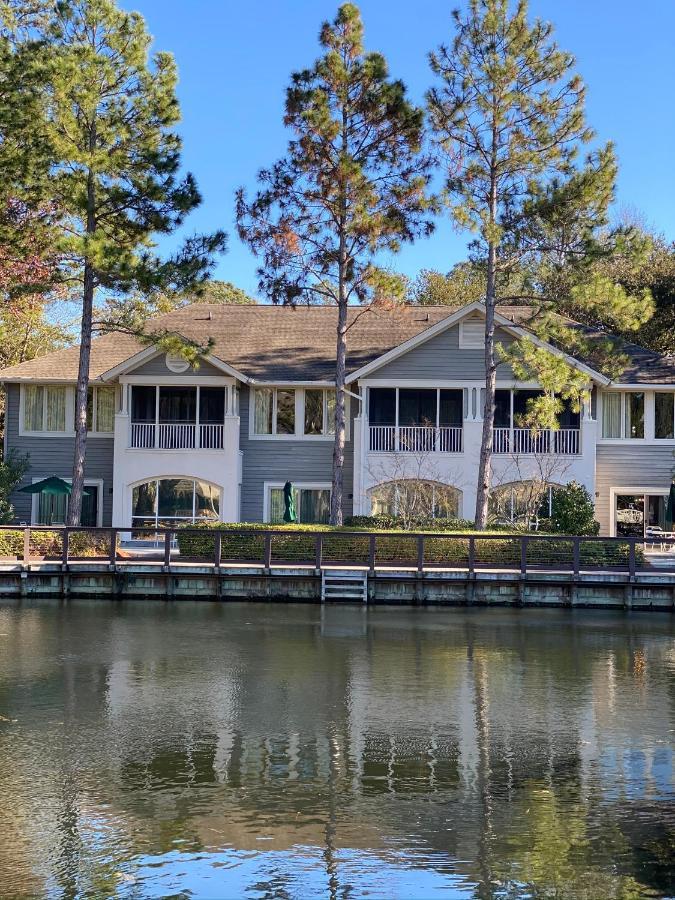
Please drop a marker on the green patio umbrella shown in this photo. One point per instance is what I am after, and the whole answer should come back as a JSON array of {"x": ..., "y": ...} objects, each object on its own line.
[
  {"x": 53, "y": 485},
  {"x": 289, "y": 504},
  {"x": 670, "y": 508}
]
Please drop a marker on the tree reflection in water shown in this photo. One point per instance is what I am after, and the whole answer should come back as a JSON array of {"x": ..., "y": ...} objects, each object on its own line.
[{"x": 297, "y": 752}]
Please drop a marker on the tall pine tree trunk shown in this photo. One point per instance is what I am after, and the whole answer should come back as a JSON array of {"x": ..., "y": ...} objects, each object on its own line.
[
  {"x": 485, "y": 461},
  {"x": 336, "y": 516},
  {"x": 80, "y": 450}
]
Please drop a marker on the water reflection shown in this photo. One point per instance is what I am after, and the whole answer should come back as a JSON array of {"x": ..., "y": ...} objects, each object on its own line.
[{"x": 151, "y": 750}]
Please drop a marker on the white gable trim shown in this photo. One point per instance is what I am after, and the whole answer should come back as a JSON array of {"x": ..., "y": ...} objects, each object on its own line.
[
  {"x": 145, "y": 355},
  {"x": 475, "y": 307}
]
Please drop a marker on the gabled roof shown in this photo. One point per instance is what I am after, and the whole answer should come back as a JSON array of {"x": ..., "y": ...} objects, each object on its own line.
[
  {"x": 277, "y": 344},
  {"x": 476, "y": 308}
]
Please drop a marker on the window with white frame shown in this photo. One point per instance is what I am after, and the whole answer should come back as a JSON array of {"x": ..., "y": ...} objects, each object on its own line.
[
  {"x": 44, "y": 407},
  {"x": 623, "y": 415},
  {"x": 312, "y": 503},
  {"x": 664, "y": 415},
  {"x": 413, "y": 497},
  {"x": 319, "y": 413},
  {"x": 101, "y": 409},
  {"x": 274, "y": 411},
  {"x": 294, "y": 412}
]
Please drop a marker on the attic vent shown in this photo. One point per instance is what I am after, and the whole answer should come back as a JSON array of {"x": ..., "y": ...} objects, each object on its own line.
[
  {"x": 472, "y": 334},
  {"x": 176, "y": 363}
]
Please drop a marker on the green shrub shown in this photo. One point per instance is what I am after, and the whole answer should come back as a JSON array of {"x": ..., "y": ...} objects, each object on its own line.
[
  {"x": 573, "y": 511},
  {"x": 387, "y": 523}
]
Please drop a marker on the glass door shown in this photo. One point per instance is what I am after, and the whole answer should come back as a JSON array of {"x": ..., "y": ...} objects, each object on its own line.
[{"x": 630, "y": 515}]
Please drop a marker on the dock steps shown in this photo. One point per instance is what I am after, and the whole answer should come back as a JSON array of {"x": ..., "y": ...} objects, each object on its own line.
[{"x": 344, "y": 584}]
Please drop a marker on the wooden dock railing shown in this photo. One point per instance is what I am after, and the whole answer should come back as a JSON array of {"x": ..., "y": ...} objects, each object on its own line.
[{"x": 270, "y": 548}]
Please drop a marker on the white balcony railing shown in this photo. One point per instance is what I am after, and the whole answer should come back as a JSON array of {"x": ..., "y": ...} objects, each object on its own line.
[
  {"x": 563, "y": 441},
  {"x": 175, "y": 436},
  {"x": 415, "y": 439}
]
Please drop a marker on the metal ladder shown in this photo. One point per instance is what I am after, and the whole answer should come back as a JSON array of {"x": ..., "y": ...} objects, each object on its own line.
[{"x": 344, "y": 584}]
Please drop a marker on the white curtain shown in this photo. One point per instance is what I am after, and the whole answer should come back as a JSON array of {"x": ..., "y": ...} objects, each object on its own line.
[
  {"x": 105, "y": 409},
  {"x": 611, "y": 415},
  {"x": 56, "y": 408},
  {"x": 33, "y": 399},
  {"x": 263, "y": 411}
]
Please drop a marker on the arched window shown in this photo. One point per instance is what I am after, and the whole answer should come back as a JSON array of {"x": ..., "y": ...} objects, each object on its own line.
[
  {"x": 172, "y": 501},
  {"x": 412, "y": 497},
  {"x": 521, "y": 502}
]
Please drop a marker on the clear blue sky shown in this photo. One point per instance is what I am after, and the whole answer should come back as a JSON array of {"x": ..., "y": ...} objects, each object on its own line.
[{"x": 234, "y": 61}]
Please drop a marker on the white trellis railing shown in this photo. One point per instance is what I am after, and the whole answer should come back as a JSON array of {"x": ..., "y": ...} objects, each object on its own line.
[{"x": 415, "y": 439}]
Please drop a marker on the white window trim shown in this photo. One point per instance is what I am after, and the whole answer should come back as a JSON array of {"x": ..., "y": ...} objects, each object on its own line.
[
  {"x": 298, "y": 485},
  {"x": 299, "y": 434},
  {"x": 130, "y": 494},
  {"x": 70, "y": 412},
  {"x": 88, "y": 482},
  {"x": 648, "y": 419},
  {"x": 614, "y": 491}
]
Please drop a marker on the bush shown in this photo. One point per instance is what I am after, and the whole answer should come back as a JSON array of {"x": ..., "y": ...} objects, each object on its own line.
[
  {"x": 389, "y": 523},
  {"x": 573, "y": 511}
]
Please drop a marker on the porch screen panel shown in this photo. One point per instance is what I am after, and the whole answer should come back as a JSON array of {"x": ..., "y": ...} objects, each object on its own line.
[
  {"x": 502, "y": 408},
  {"x": 175, "y": 498},
  {"x": 382, "y": 406},
  {"x": 33, "y": 402},
  {"x": 177, "y": 404},
  {"x": 416, "y": 407},
  {"x": 211, "y": 405},
  {"x": 611, "y": 415},
  {"x": 143, "y": 402},
  {"x": 451, "y": 408}
]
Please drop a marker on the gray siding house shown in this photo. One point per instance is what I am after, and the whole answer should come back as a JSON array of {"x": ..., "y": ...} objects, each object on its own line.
[{"x": 171, "y": 443}]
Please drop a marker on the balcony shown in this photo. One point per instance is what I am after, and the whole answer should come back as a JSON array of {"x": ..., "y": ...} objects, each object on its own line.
[
  {"x": 523, "y": 441},
  {"x": 175, "y": 436},
  {"x": 415, "y": 439}
]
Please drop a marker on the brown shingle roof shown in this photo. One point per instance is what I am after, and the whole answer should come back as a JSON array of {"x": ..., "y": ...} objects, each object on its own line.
[{"x": 277, "y": 343}]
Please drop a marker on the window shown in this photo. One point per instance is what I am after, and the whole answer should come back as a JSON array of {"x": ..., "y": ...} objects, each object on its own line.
[
  {"x": 171, "y": 501},
  {"x": 101, "y": 410},
  {"x": 623, "y": 415},
  {"x": 274, "y": 411},
  {"x": 611, "y": 415},
  {"x": 664, "y": 415},
  {"x": 52, "y": 509},
  {"x": 521, "y": 502},
  {"x": 635, "y": 415},
  {"x": 312, "y": 504},
  {"x": 319, "y": 411},
  {"x": 413, "y": 498},
  {"x": 44, "y": 407}
]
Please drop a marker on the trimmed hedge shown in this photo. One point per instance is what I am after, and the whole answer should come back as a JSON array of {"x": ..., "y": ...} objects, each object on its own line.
[
  {"x": 49, "y": 544},
  {"x": 296, "y": 543}
]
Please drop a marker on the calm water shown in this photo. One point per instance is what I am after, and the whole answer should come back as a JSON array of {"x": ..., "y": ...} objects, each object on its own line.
[{"x": 202, "y": 750}]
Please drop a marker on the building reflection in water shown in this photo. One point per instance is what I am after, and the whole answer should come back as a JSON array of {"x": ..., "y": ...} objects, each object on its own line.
[{"x": 297, "y": 749}]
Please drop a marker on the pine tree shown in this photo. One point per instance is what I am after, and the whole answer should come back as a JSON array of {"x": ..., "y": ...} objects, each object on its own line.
[
  {"x": 353, "y": 183},
  {"x": 115, "y": 170},
  {"x": 509, "y": 115}
]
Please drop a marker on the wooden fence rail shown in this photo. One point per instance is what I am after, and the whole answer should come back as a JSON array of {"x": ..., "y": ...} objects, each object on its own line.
[{"x": 269, "y": 548}]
